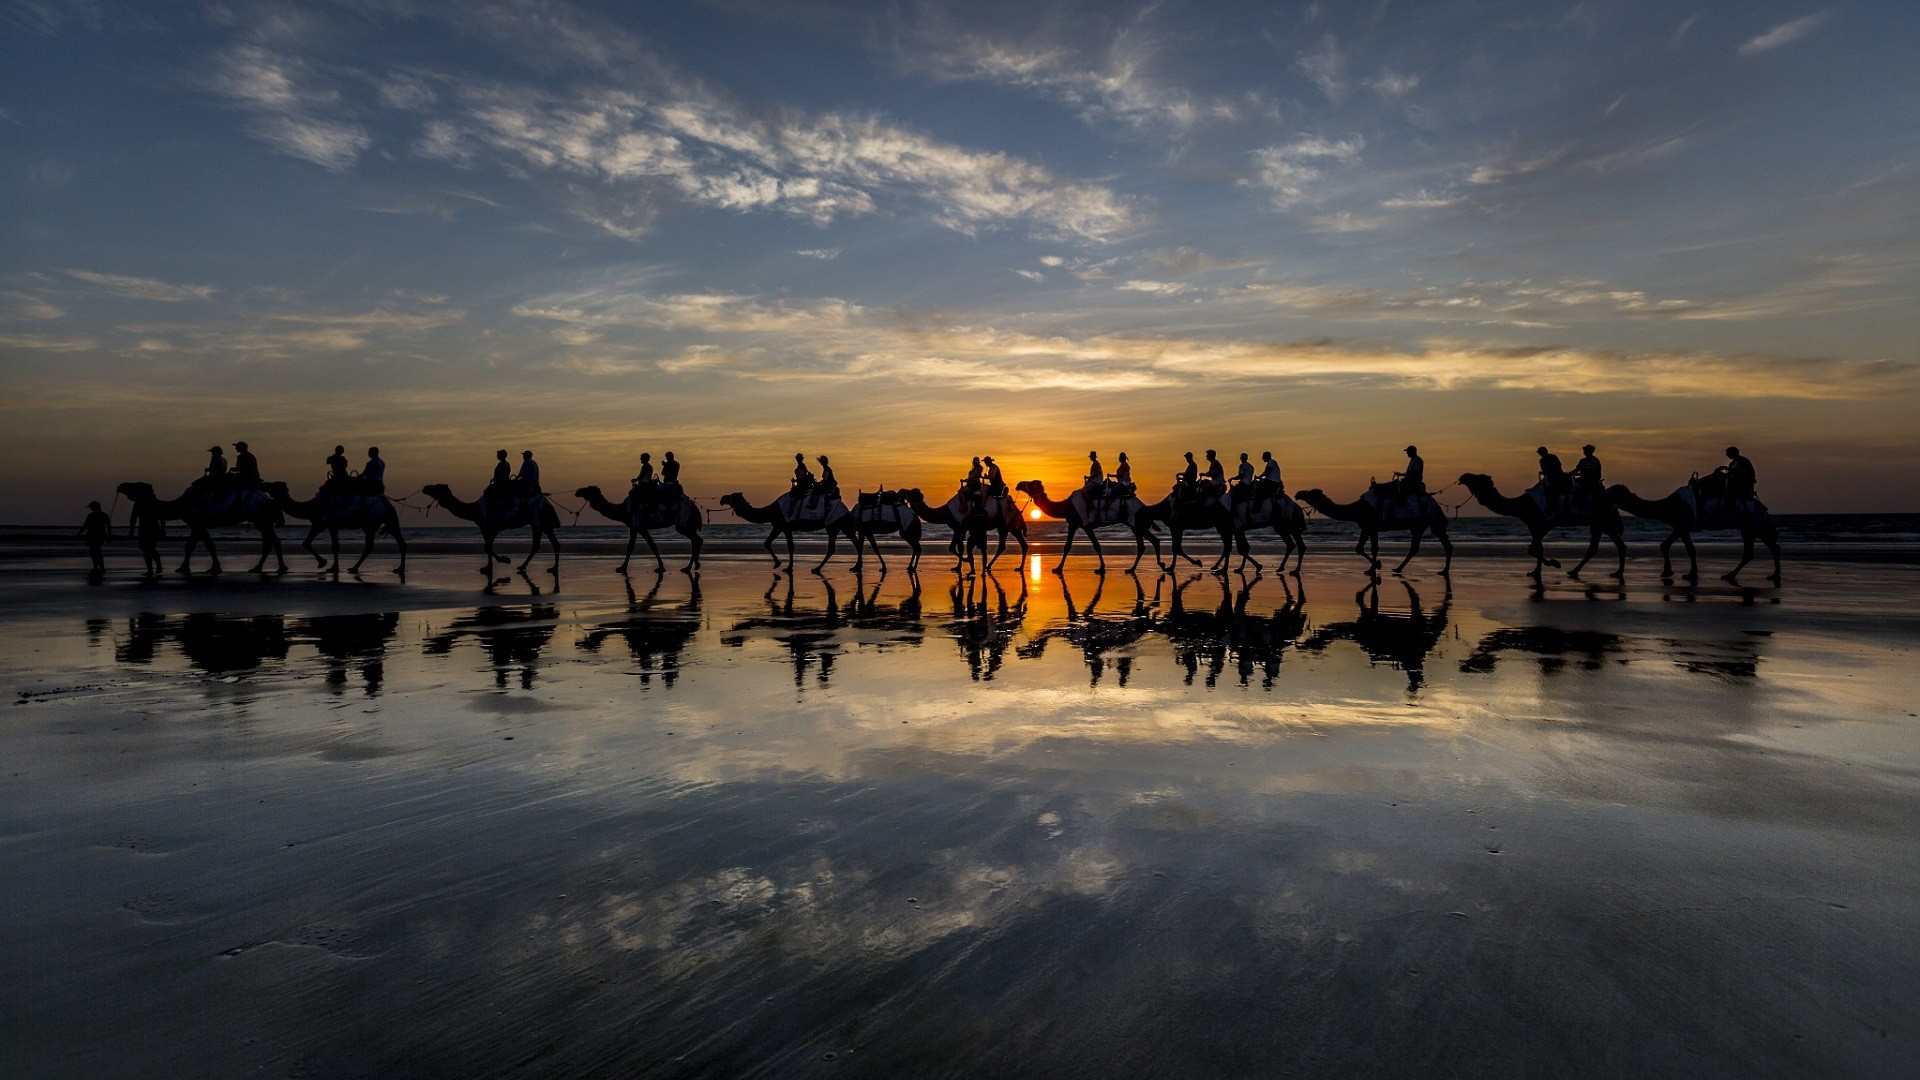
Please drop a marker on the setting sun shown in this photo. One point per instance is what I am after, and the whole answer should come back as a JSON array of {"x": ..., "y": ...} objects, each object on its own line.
[{"x": 1035, "y": 514}]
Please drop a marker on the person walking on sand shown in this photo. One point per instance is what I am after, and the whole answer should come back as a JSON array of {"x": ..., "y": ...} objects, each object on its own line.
[
  {"x": 95, "y": 528},
  {"x": 147, "y": 526}
]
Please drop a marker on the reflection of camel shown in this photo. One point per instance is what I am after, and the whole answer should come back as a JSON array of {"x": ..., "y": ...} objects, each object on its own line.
[
  {"x": 214, "y": 644},
  {"x": 833, "y": 520},
  {"x": 497, "y": 516},
  {"x": 204, "y": 509},
  {"x": 1365, "y": 512},
  {"x": 809, "y": 634},
  {"x": 1069, "y": 512},
  {"x": 331, "y": 512},
  {"x": 970, "y": 528},
  {"x": 346, "y": 640},
  {"x": 1273, "y": 511},
  {"x": 1602, "y": 518},
  {"x": 641, "y": 518},
  {"x": 510, "y": 636},
  {"x": 1096, "y": 636},
  {"x": 983, "y": 629},
  {"x": 1261, "y": 640},
  {"x": 1229, "y": 632},
  {"x": 1557, "y": 648},
  {"x": 655, "y": 638},
  {"x": 1402, "y": 639},
  {"x": 1678, "y": 512},
  {"x": 1198, "y": 634}
]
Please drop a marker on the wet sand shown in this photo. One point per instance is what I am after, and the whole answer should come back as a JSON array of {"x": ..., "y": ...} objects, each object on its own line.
[{"x": 758, "y": 825}]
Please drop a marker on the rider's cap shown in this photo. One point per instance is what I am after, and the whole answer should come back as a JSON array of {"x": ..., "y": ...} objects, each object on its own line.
[
  {"x": 1412, "y": 449},
  {"x": 239, "y": 446},
  {"x": 213, "y": 449},
  {"x": 94, "y": 505}
]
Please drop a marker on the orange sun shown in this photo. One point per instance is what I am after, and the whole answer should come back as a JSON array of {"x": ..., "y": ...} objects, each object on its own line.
[{"x": 1035, "y": 514}]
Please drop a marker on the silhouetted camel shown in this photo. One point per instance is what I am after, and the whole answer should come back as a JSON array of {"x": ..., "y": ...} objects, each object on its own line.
[
  {"x": 1180, "y": 512},
  {"x": 1073, "y": 511},
  {"x": 678, "y": 513},
  {"x": 1601, "y": 518},
  {"x": 1279, "y": 513},
  {"x": 1681, "y": 512},
  {"x": 833, "y": 520},
  {"x": 1097, "y": 636},
  {"x": 494, "y": 517},
  {"x": 873, "y": 516},
  {"x": 330, "y": 512},
  {"x": 969, "y": 530},
  {"x": 203, "y": 510},
  {"x": 655, "y": 638},
  {"x": 1365, "y": 512}
]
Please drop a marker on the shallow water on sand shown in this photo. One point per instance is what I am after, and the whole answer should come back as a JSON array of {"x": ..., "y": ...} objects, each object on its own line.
[{"x": 746, "y": 823}]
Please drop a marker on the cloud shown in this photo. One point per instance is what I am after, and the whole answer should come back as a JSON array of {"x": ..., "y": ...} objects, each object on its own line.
[
  {"x": 1287, "y": 172},
  {"x": 1157, "y": 288},
  {"x": 823, "y": 254},
  {"x": 289, "y": 106},
  {"x": 139, "y": 288},
  {"x": 1499, "y": 172},
  {"x": 1784, "y": 34},
  {"x": 831, "y": 340},
  {"x": 1326, "y": 68},
  {"x": 16, "y": 306},
  {"x": 1390, "y": 85},
  {"x": 1031, "y": 275}
]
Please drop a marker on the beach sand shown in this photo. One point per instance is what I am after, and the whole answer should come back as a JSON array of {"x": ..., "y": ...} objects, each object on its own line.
[{"x": 1035, "y": 825}]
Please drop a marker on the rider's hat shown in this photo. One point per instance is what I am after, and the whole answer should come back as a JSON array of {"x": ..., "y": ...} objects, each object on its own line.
[
  {"x": 240, "y": 446},
  {"x": 526, "y": 453},
  {"x": 213, "y": 449},
  {"x": 1412, "y": 449},
  {"x": 988, "y": 459},
  {"x": 94, "y": 505}
]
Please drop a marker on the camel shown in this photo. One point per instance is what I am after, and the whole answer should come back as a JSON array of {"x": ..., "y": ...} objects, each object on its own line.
[
  {"x": 1365, "y": 511},
  {"x": 1278, "y": 513},
  {"x": 1181, "y": 512},
  {"x": 656, "y": 638},
  {"x": 969, "y": 531},
  {"x": 206, "y": 509},
  {"x": 497, "y": 516},
  {"x": 330, "y": 512},
  {"x": 1602, "y": 518},
  {"x": 1074, "y": 511},
  {"x": 833, "y": 520},
  {"x": 1099, "y": 637},
  {"x": 983, "y": 630},
  {"x": 883, "y": 513},
  {"x": 680, "y": 514},
  {"x": 1682, "y": 513}
]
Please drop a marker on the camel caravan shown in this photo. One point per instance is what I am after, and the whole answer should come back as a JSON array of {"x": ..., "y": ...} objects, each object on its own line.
[{"x": 983, "y": 509}]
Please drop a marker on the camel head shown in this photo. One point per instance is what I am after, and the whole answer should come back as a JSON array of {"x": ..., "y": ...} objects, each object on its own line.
[
  {"x": 1032, "y": 487},
  {"x": 591, "y": 491},
  {"x": 1308, "y": 495},
  {"x": 439, "y": 493},
  {"x": 135, "y": 490},
  {"x": 733, "y": 500},
  {"x": 1475, "y": 482},
  {"x": 913, "y": 496}
]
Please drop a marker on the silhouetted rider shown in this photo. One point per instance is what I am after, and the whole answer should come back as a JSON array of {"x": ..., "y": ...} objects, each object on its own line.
[
  {"x": 502, "y": 473},
  {"x": 337, "y": 471},
  {"x": 1216, "y": 474},
  {"x": 1123, "y": 472},
  {"x": 1553, "y": 478},
  {"x": 373, "y": 475},
  {"x": 1190, "y": 476},
  {"x": 996, "y": 483},
  {"x": 529, "y": 478},
  {"x": 1413, "y": 478},
  {"x": 216, "y": 465},
  {"x": 670, "y": 474},
  {"x": 802, "y": 476},
  {"x": 645, "y": 477},
  {"x": 245, "y": 466},
  {"x": 1742, "y": 481},
  {"x": 1586, "y": 473}
]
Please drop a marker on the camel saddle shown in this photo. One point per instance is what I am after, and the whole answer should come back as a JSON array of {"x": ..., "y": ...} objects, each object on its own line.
[
  {"x": 510, "y": 509},
  {"x": 814, "y": 505},
  {"x": 1394, "y": 507},
  {"x": 1710, "y": 508}
]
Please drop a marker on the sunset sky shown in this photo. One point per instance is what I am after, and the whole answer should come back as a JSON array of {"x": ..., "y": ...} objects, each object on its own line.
[{"x": 904, "y": 233}]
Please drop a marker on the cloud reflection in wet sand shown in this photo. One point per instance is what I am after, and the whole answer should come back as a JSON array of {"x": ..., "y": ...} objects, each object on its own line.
[{"x": 712, "y": 826}]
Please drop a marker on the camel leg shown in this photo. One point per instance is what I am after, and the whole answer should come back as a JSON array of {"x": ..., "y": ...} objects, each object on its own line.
[
  {"x": 659, "y": 564},
  {"x": 769, "y": 546},
  {"x": 1746, "y": 556},
  {"x": 1065, "y": 548},
  {"x": 776, "y": 560},
  {"x": 531, "y": 552},
  {"x": 1094, "y": 539},
  {"x": 1413, "y": 548},
  {"x": 873, "y": 540},
  {"x": 633, "y": 534},
  {"x": 1693, "y": 558},
  {"x": 1593, "y": 548},
  {"x": 694, "y": 540},
  {"x": 307, "y": 543},
  {"x": 1000, "y": 550},
  {"x": 913, "y": 554},
  {"x": 1446, "y": 549},
  {"x": 1620, "y": 548},
  {"x": 1773, "y": 548},
  {"x": 833, "y": 536},
  {"x": 1360, "y": 548},
  {"x": 1539, "y": 554},
  {"x": 270, "y": 537},
  {"x": 372, "y": 534},
  {"x": 186, "y": 558}
]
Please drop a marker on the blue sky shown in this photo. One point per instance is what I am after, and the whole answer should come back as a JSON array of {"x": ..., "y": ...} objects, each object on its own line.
[{"x": 906, "y": 233}]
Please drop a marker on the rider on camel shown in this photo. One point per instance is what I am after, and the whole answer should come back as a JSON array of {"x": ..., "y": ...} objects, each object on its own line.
[
  {"x": 828, "y": 488},
  {"x": 670, "y": 475},
  {"x": 502, "y": 474},
  {"x": 646, "y": 471},
  {"x": 216, "y": 471},
  {"x": 1216, "y": 475},
  {"x": 802, "y": 477},
  {"x": 1742, "y": 481},
  {"x": 996, "y": 483},
  {"x": 1553, "y": 480},
  {"x": 1412, "y": 480},
  {"x": 337, "y": 471},
  {"x": 1123, "y": 472},
  {"x": 246, "y": 466},
  {"x": 373, "y": 475},
  {"x": 1243, "y": 480},
  {"x": 1189, "y": 478},
  {"x": 529, "y": 477},
  {"x": 1586, "y": 476}
]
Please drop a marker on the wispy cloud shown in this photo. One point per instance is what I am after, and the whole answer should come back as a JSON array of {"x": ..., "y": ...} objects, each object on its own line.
[
  {"x": 139, "y": 288},
  {"x": 1784, "y": 34},
  {"x": 290, "y": 106},
  {"x": 1289, "y": 172},
  {"x": 1326, "y": 68},
  {"x": 823, "y": 254}
]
